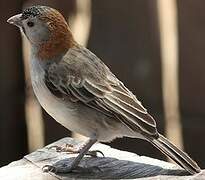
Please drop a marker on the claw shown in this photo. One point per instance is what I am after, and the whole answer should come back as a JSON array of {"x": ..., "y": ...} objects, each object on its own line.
[
  {"x": 94, "y": 153},
  {"x": 67, "y": 148},
  {"x": 49, "y": 168}
]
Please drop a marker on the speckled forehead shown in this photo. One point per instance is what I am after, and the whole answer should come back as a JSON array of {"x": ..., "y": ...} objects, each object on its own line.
[{"x": 37, "y": 11}]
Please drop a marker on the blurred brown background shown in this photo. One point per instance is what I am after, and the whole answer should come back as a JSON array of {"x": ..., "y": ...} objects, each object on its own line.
[{"x": 128, "y": 36}]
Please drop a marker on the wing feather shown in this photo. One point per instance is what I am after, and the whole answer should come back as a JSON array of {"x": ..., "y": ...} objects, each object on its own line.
[
  {"x": 123, "y": 93},
  {"x": 144, "y": 127},
  {"x": 94, "y": 90},
  {"x": 130, "y": 109},
  {"x": 83, "y": 95},
  {"x": 126, "y": 105}
]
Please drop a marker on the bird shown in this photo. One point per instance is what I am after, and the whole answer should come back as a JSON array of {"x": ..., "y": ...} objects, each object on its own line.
[{"x": 81, "y": 93}]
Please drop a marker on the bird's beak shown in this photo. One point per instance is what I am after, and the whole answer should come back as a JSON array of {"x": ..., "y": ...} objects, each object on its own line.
[{"x": 16, "y": 20}]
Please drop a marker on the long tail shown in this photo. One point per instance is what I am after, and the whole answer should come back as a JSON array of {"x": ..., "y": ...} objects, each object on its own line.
[{"x": 175, "y": 154}]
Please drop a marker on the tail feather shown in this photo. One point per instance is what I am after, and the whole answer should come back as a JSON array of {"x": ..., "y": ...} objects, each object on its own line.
[{"x": 175, "y": 154}]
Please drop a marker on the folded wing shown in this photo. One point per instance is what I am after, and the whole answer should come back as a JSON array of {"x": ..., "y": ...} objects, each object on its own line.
[{"x": 105, "y": 94}]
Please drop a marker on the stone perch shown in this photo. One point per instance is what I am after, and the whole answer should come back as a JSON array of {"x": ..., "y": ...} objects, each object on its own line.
[{"x": 115, "y": 165}]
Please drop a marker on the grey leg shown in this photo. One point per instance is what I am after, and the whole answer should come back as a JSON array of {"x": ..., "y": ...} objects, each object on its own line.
[
  {"x": 74, "y": 164},
  {"x": 83, "y": 151}
]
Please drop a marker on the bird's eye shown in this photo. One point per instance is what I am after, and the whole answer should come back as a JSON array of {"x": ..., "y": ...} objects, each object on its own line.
[{"x": 30, "y": 24}]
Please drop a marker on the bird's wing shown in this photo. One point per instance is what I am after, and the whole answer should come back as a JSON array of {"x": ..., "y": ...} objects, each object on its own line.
[{"x": 94, "y": 85}]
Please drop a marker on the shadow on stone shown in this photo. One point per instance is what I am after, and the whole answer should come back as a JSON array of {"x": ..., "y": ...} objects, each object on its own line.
[{"x": 112, "y": 168}]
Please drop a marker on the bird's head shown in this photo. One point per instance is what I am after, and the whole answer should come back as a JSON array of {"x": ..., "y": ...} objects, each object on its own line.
[{"x": 46, "y": 29}]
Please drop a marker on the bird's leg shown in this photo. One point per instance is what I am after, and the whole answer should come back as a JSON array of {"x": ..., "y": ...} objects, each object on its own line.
[
  {"x": 68, "y": 168},
  {"x": 83, "y": 151},
  {"x": 69, "y": 148}
]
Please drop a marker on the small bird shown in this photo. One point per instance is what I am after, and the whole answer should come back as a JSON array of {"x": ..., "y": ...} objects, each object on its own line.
[{"x": 81, "y": 93}]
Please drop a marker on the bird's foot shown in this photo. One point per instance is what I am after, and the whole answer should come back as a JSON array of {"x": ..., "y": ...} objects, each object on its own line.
[
  {"x": 65, "y": 167},
  {"x": 69, "y": 148},
  {"x": 94, "y": 153}
]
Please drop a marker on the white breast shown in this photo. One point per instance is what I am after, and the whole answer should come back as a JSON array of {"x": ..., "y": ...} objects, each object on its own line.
[{"x": 61, "y": 111}]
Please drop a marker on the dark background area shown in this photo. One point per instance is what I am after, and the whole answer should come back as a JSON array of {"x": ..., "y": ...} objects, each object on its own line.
[{"x": 126, "y": 36}]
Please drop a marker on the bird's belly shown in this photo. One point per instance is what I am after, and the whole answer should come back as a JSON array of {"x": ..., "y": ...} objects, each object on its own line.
[{"x": 65, "y": 113}]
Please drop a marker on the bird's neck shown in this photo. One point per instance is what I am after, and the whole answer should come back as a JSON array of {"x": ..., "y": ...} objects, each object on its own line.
[{"x": 57, "y": 45}]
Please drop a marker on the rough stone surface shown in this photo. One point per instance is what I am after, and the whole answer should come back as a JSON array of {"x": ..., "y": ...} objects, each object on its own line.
[{"x": 115, "y": 165}]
